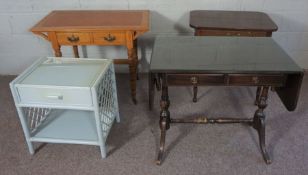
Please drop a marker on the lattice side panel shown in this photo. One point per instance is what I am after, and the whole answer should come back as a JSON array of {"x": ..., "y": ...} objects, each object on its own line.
[
  {"x": 35, "y": 116},
  {"x": 106, "y": 102}
]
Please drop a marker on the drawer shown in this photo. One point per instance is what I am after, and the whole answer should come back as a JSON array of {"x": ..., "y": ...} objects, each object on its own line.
[
  {"x": 74, "y": 38},
  {"x": 199, "y": 79},
  {"x": 55, "y": 96},
  {"x": 109, "y": 38},
  {"x": 270, "y": 80},
  {"x": 231, "y": 33}
]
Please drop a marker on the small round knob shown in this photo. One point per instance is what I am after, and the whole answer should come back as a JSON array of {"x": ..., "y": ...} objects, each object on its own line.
[
  {"x": 194, "y": 80},
  {"x": 255, "y": 80}
]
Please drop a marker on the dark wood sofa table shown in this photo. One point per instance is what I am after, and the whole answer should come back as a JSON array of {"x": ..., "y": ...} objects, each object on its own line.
[{"x": 223, "y": 61}]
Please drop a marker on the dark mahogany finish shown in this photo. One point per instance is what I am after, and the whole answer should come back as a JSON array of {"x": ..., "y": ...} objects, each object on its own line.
[
  {"x": 223, "y": 61},
  {"x": 231, "y": 23}
]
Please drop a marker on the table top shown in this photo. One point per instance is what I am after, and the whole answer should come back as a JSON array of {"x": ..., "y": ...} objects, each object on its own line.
[
  {"x": 93, "y": 20},
  {"x": 66, "y": 72},
  {"x": 231, "y": 20},
  {"x": 182, "y": 54}
]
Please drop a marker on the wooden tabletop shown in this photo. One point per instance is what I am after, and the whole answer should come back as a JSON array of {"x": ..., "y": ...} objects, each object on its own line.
[
  {"x": 231, "y": 20},
  {"x": 93, "y": 19}
]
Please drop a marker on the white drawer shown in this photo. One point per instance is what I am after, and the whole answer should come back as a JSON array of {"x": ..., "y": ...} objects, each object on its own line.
[{"x": 55, "y": 96}]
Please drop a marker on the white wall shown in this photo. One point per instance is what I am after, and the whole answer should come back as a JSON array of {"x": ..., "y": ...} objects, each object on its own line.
[{"x": 19, "y": 48}]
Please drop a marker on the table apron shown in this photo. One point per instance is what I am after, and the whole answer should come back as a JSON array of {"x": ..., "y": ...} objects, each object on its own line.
[{"x": 277, "y": 80}]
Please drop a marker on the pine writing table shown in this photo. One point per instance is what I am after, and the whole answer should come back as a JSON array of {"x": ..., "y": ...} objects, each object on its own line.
[
  {"x": 223, "y": 61},
  {"x": 96, "y": 27}
]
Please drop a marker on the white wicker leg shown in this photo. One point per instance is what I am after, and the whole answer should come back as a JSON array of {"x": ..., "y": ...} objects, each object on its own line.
[
  {"x": 26, "y": 129},
  {"x": 23, "y": 121},
  {"x": 115, "y": 96},
  {"x": 101, "y": 140},
  {"x": 103, "y": 150}
]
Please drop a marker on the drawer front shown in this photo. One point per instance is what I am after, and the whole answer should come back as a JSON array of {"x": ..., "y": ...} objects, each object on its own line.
[
  {"x": 74, "y": 38},
  {"x": 109, "y": 38},
  {"x": 55, "y": 96},
  {"x": 231, "y": 33},
  {"x": 255, "y": 80},
  {"x": 195, "y": 79}
]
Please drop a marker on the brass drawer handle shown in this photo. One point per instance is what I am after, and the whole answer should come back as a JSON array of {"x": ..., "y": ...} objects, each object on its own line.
[
  {"x": 73, "y": 39},
  {"x": 238, "y": 34},
  {"x": 255, "y": 80},
  {"x": 110, "y": 38},
  {"x": 194, "y": 80}
]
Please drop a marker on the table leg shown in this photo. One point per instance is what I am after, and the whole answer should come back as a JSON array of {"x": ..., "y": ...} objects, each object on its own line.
[
  {"x": 195, "y": 91},
  {"x": 257, "y": 101},
  {"x": 75, "y": 49},
  {"x": 135, "y": 55},
  {"x": 194, "y": 81},
  {"x": 157, "y": 82},
  {"x": 259, "y": 122},
  {"x": 151, "y": 89},
  {"x": 57, "y": 50},
  {"x": 133, "y": 63},
  {"x": 165, "y": 120}
]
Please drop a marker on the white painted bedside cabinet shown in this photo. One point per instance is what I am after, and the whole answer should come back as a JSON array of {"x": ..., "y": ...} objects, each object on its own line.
[{"x": 67, "y": 100}]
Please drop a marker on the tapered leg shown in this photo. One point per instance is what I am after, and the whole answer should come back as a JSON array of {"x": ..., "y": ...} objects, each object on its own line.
[
  {"x": 135, "y": 55},
  {"x": 194, "y": 81},
  {"x": 259, "y": 122},
  {"x": 157, "y": 82},
  {"x": 164, "y": 121},
  {"x": 133, "y": 63},
  {"x": 57, "y": 50},
  {"x": 151, "y": 89},
  {"x": 195, "y": 90},
  {"x": 258, "y": 95},
  {"x": 76, "y": 53}
]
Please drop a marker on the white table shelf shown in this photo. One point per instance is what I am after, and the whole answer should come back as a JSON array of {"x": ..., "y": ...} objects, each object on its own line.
[{"x": 82, "y": 128}]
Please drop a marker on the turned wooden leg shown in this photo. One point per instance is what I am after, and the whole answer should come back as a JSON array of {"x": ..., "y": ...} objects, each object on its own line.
[
  {"x": 157, "y": 82},
  {"x": 76, "y": 53},
  {"x": 195, "y": 90},
  {"x": 135, "y": 55},
  {"x": 133, "y": 63},
  {"x": 194, "y": 81},
  {"x": 57, "y": 50},
  {"x": 151, "y": 89},
  {"x": 259, "y": 123},
  {"x": 258, "y": 95},
  {"x": 164, "y": 121}
]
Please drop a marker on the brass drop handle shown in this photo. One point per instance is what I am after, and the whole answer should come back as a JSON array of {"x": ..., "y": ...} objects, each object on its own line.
[
  {"x": 73, "y": 39},
  {"x": 194, "y": 80},
  {"x": 110, "y": 38}
]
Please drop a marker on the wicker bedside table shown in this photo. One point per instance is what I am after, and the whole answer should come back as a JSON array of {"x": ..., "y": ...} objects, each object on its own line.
[{"x": 67, "y": 100}]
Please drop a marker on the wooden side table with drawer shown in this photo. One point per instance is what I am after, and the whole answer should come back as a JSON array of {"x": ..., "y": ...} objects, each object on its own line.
[
  {"x": 97, "y": 27},
  {"x": 230, "y": 23},
  {"x": 67, "y": 100}
]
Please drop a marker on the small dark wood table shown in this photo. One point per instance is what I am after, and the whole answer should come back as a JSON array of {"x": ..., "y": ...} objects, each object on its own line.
[
  {"x": 224, "y": 61},
  {"x": 231, "y": 23}
]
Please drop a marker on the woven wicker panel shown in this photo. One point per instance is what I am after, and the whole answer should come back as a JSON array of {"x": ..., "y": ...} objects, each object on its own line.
[
  {"x": 106, "y": 102},
  {"x": 35, "y": 116}
]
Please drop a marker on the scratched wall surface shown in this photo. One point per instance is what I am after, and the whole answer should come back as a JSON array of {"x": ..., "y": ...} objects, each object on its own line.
[{"x": 19, "y": 48}]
